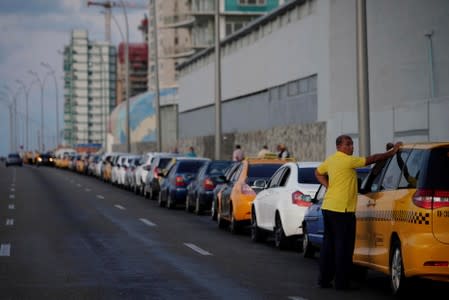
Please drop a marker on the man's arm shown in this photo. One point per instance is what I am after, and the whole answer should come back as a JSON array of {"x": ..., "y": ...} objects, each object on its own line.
[
  {"x": 321, "y": 178},
  {"x": 382, "y": 156}
]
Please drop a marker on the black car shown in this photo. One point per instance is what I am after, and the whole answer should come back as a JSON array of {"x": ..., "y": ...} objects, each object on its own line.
[
  {"x": 46, "y": 159},
  {"x": 13, "y": 159},
  {"x": 221, "y": 184},
  {"x": 180, "y": 172},
  {"x": 200, "y": 191}
]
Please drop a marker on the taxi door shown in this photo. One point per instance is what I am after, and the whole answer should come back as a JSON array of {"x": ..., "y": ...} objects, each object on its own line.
[
  {"x": 371, "y": 200},
  {"x": 389, "y": 202}
]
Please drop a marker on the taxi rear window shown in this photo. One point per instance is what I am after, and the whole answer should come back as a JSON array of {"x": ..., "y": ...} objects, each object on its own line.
[
  {"x": 262, "y": 170},
  {"x": 438, "y": 169}
]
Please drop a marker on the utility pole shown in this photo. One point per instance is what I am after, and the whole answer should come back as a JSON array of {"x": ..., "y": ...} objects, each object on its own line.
[
  {"x": 362, "y": 79},
  {"x": 218, "y": 130},
  {"x": 153, "y": 18}
]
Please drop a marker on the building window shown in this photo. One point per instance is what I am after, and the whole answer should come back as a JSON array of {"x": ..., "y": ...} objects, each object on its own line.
[
  {"x": 252, "y": 2},
  {"x": 233, "y": 26},
  {"x": 292, "y": 88}
]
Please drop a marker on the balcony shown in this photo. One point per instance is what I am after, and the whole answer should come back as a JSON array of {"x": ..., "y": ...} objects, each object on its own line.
[
  {"x": 203, "y": 8},
  {"x": 176, "y": 21},
  {"x": 177, "y": 52}
]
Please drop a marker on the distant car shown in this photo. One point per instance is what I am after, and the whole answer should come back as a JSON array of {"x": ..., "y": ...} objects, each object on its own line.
[
  {"x": 234, "y": 200},
  {"x": 279, "y": 209},
  {"x": 46, "y": 159},
  {"x": 130, "y": 175},
  {"x": 200, "y": 190},
  {"x": 13, "y": 159},
  {"x": 312, "y": 224},
  {"x": 142, "y": 170},
  {"x": 221, "y": 182},
  {"x": 180, "y": 172},
  {"x": 152, "y": 180}
]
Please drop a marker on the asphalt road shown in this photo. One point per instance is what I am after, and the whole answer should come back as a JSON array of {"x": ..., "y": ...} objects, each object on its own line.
[{"x": 69, "y": 236}]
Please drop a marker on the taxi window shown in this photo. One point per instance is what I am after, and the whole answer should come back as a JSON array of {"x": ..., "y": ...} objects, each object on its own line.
[
  {"x": 393, "y": 173},
  {"x": 411, "y": 169},
  {"x": 262, "y": 170},
  {"x": 438, "y": 170}
]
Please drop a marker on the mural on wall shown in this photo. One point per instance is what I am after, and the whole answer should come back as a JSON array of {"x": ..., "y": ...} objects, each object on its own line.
[{"x": 142, "y": 117}]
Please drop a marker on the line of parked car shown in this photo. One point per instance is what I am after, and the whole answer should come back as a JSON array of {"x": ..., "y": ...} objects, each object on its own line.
[{"x": 402, "y": 213}]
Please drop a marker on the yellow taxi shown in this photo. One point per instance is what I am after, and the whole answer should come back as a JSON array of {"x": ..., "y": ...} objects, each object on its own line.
[
  {"x": 403, "y": 216},
  {"x": 234, "y": 200}
]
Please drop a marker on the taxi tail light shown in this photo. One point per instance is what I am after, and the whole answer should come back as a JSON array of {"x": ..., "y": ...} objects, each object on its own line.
[
  {"x": 247, "y": 190},
  {"x": 297, "y": 199},
  {"x": 208, "y": 184},
  {"x": 180, "y": 181},
  {"x": 429, "y": 198}
]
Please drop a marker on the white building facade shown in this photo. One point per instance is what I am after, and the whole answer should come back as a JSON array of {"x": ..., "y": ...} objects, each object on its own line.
[
  {"x": 89, "y": 89},
  {"x": 298, "y": 66}
]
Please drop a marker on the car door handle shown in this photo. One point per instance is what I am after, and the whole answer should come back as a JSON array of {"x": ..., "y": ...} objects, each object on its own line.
[{"x": 371, "y": 203}]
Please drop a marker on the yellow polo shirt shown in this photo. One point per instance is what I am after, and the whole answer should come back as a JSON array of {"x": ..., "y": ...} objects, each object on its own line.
[{"x": 341, "y": 195}]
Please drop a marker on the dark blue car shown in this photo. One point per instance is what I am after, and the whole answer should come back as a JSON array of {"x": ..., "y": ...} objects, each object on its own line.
[
  {"x": 200, "y": 191},
  {"x": 312, "y": 226},
  {"x": 179, "y": 173}
]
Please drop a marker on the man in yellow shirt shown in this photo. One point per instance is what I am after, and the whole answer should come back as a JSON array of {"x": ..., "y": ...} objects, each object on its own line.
[{"x": 339, "y": 176}]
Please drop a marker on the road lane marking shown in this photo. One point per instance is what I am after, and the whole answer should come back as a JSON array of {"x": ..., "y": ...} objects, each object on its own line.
[
  {"x": 119, "y": 207},
  {"x": 12, "y": 196},
  {"x": 13, "y": 189},
  {"x": 9, "y": 222},
  {"x": 87, "y": 189},
  {"x": 147, "y": 222},
  {"x": 296, "y": 298},
  {"x": 79, "y": 185},
  {"x": 100, "y": 197},
  {"x": 197, "y": 249},
  {"x": 5, "y": 249},
  {"x": 11, "y": 206}
]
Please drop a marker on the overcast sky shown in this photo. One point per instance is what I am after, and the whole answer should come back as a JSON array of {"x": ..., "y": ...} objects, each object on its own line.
[{"x": 31, "y": 32}]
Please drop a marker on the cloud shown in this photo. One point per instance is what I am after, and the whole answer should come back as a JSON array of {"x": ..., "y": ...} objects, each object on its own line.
[{"x": 31, "y": 32}]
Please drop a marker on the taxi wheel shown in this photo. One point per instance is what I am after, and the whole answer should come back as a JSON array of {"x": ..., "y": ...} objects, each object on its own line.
[
  {"x": 307, "y": 248},
  {"x": 280, "y": 240},
  {"x": 397, "y": 278},
  {"x": 234, "y": 226},
  {"x": 257, "y": 234}
]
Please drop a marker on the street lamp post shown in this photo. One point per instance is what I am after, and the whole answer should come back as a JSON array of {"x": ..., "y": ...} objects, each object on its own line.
[
  {"x": 14, "y": 130},
  {"x": 10, "y": 107},
  {"x": 41, "y": 84},
  {"x": 128, "y": 131},
  {"x": 153, "y": 15},
  {"x": 27, "y": 93},
  {"x": 52, "y": 72}
]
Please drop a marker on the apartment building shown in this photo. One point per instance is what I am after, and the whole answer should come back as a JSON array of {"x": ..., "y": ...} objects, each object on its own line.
[
  {"x": 187, "y": 27},
  {"x": 89, "y": 89},
  {"x": 138, "y": 70}
]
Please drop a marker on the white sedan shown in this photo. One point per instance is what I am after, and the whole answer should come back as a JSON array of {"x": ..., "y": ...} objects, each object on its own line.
[{"x": 279, "y": 208}]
